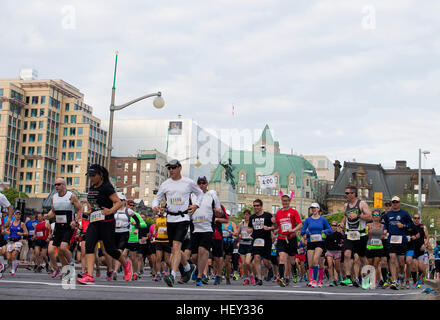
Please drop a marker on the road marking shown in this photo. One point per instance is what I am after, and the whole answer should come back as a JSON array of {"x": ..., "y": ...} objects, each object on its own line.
[{"x": 223, "y": 290}]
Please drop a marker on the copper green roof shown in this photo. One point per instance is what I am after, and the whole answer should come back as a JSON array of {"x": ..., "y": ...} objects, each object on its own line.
[
  {"x": 255, "y": 162},
  {"x": 266, "y": 136},
  {"x": 146, "y": 156}
]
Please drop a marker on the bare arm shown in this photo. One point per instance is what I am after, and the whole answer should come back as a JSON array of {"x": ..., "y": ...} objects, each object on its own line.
[{"x": 365, "y": 211}]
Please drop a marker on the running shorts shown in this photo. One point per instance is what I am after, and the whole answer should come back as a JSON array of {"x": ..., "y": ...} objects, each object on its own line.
[
  {"x": 186, "y": 244},
  {"x": 201, "y": 239},
  {"x": 289, "y": 246},
  {"x": 398, "y": 249},
  {"x": 334, "y": 254},
  {"x": 437, "y": 265},
  {"x": 62, "y": 234},
  {"x": 217, "y": 248},
  {"x": 314, "y": 245},
  {"x": 14, "y": 246},
  {"x": 41, "y": 243},
  {"x": 163, "y": 246},
  {"x": 263, "y": 251},
  {"x": 358, "y": 247},
  {"x": 244, "y": 249},
  {"x": 133, "y": 246},
  {"x": 301, "y": 257},
  {"x": 177, "y": 231},
  {"x": 375, "y": 253},
  {"x": 121, "y": 240},
  {"x": 228, "y": 247}
]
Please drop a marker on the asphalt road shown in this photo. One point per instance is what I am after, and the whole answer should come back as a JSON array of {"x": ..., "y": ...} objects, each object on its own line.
[{"x": 27, "y": 285}]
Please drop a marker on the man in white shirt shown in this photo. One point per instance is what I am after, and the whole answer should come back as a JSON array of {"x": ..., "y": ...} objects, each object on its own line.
[
  {"x": 203, "y": 219},
  {"x": 178, "y": 190},
  {"x": 4, "y": 223}
]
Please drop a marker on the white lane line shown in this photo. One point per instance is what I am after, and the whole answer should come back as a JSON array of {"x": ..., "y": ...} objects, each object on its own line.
[{"x": 199, "y": 290}]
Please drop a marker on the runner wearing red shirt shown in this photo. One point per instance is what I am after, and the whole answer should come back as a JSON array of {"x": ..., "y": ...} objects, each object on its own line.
[
  {"x": 288, "y": 222},
  {"x": 41, "y": 238}
]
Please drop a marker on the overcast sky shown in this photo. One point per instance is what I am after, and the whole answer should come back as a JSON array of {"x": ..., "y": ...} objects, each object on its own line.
[{"x": 348, "y": 79}]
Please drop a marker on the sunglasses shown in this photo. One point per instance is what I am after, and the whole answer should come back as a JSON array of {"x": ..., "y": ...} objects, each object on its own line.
[
  {"x": 416, "y": 218},
  {"x": 170, "y": 167},
  {"x": 376, "y": 214},
  {"x": 57, "y": 184},
  {"x": 202, "y": 183},
  {"x": 334, "y": 225},
  {"x": 349, "y": 192},
  {"x": 395, "y": 201},
  {"x": 256, "y": 205}
]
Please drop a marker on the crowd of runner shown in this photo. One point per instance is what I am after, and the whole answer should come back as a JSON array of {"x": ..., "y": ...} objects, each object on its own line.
[{"x": 192, "y": 238}]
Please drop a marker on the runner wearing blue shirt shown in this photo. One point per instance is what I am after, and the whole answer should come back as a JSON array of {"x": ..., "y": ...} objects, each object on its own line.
[
  {"x": 314, "y": 226},
  {"x": 397, "y": 222},
  {"x": 30, "y": 225}
]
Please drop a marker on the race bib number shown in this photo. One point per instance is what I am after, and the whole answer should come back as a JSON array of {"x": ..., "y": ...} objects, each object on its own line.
[
  {"x": 376, "y": 242},
  {"x": 353, "y": 235},
  {"x": 31, "y": 232},
  {"x": 162, "y": 231},
  {"x": 226, "y": 234},
  {"x": 259, "y": 242},
  {"x": 396, "y": 239},
  {"x": 244, "y": 234},
  {"x": 39, "y": 234},
  {"x": 235, "y": 250},
  {"x": 315, "y": 238},
  {"x": 199, "y": 219},
  {"x": 62, "y": 218},
  {"x": 286, "y": 227},
  {"x": 142, "y": 241},
  {"x": 96, "y": 216},
  {"x": 118, "y": 224}
]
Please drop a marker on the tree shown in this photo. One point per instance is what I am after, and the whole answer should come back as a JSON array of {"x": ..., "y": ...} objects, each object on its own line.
[{"x": 12, "y": 194}]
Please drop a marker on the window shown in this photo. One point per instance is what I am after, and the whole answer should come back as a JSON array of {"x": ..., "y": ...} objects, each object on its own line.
[
  {"x": 125, "y": 179},
  {"x": 307, "y": 194},
  {"x": 69, "y": 181},
  {"x": 241, "y": 206},
  {"x": 66, "y": 119},
  {"x": 36, "y": 189},
  {"x": 80, "y": 132},
  {"x": 360, "y": 192},
  {"x": 76, "y": 181},
  {"x": 34, "y": 112},
  {"x": 63, "y": 168},
  {"x": 43, "y": 99},
  {"x": 133, "y": 179},
  {"x": 24, "y": 137},
  {"x": 72, "y": 119},
  {"x": 124, "y": 190},
  {"x": 77, "y": 168},
  {"x": 242, "y": 177},
  {"x": 126, "y": 167},
  {"x": 146, "y": 192},
  {"x": 40, "y": 124},
  {"x": 30, "y": 163},
  {"x": 28, "y": 176},
  {"x": 147, "y": 178},
  {"x": 35, "y": 100},
  {"x": 66, "y": 107},
  {"x": 69, "y": 168},
  {"x": 40, "y": 137},
  {"x": 366, "y": 193},
  {"x": 147, "y": 166},
  {"x": 64, "y": 144},
  {"x": 118, "y": 178},
  {"x": 63, "y": 156},
  {"x": 31, "y": 151},
  {"x": 39, "y": 151},
  {"x": 79, "y": 143},
  {"x": 72, "y": 131},
  {"x": 37, "y": 176},
  {"x": 134, "y": 166},
  {"x": 38, "y": 162},
  {"x": 291, "y": 180},
  {"x": 71, "y": 156},
  {"x": 71, "y": 144},
  {"x": 28, "y": 189},
  {"x": 257, "y": 191},
  {"x": 78, "y": 156}
]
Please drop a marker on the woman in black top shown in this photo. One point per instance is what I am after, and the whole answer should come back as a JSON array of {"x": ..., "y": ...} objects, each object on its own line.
[
  {"x": 103, "y": 202},
  {"x": 333, "y": 244}
]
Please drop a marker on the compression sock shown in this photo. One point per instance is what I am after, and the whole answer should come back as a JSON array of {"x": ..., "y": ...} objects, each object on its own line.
[
  {"x": 315, "y": 272},
  {"x": 187, "y": 267},
  {"x": 321, "y": 274},
  {"x": 181, "y": 269},
  {"x": 281, "y": 270},
  {"x": 414, "y": 276},
  {"x": 310, "y": 274},
  {"x": 384, "y": 274}
]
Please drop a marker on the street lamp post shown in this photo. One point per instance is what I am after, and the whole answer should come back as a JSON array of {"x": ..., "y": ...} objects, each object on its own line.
[
  {"x": 302, "y": 190},
  {"x": 157, "y": 103},
  {"x": 419, "y": 200}
]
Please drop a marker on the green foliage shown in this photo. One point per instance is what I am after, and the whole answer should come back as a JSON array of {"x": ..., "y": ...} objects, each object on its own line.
[
  {"x": 150, "y": 221},
  {"x": 240, "y": 217},
  {"x": 335, "y": 217},
  {"x": 12, "y": 194}
]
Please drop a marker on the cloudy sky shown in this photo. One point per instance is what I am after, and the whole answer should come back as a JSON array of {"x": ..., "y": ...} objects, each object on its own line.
[{"x": 348, "y": 79}]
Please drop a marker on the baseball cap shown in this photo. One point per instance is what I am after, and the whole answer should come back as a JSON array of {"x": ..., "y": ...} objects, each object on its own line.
[
  {"x": 228, "y": 212},
  {"x": 92, "y": 171},
  {"x": 121, "y": 196},
  {"x": 173, "y": 163},
  {"x": 201, "y": 179},
  {"x": 314, "y": 205},
  {"x": 395, "y": 198}
]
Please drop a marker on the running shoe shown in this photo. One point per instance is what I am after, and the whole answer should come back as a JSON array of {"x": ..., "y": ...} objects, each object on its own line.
[
  {"x": 332, "y": 284},
  {"x": 394, "y": 285},
  {"x": 188, "y": 274},
  {"x": 310, "y": 283},
  {"x": 228, "y": 281},
  {"x": 259, "y": 282},
  {"x": 128, "y": 271},
  {"x": 194, "y": 275},
  {"x": 181, "y": 280},
  {"x": 199, "y": 282},
  {"x": 156, "y": 278},
  {"x": 55, "y": 273},
  {"x": 235, "y": 276},
  {"x": 86, "y": 279},
  {"x": 287, "y": 281},
  {"x": 246, "y": 282},
  {"x": 205, "y": 280},
  {"x": 281, "y": 283},
  {"x": 218, "y": 280},
  {"x": 295, "y": 278},
  {"x": 347, "y": 282},
  {"x": 109, "y": 275},
  {"x": 356, "y": 283},
  {"x": 414, "y": 286},
  {"x": 252, "y": 279},
  {"x": 385, "y": 285},
  {"x": 169, "y": 280},
  {"x": 320, "y": 284},
  {"x": 314, "y": 284},
  {"x": 47, "y": 268},
  {"x": 135, "y": 277}
]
